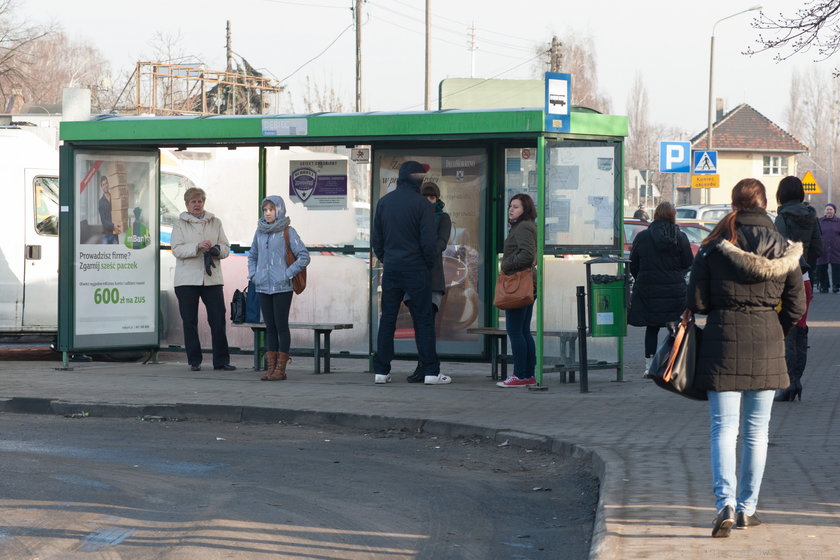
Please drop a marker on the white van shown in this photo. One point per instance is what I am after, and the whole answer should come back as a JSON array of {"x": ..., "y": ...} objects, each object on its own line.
[{"x": 29, "y": 244}]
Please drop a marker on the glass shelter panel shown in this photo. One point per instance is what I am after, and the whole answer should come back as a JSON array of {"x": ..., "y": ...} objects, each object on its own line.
[
  {"x": 327, "y": 200},
  {"x": 230, "y": 180},
  {"x": 461, "y": 175},
  {"x": 582, "y": 191}
]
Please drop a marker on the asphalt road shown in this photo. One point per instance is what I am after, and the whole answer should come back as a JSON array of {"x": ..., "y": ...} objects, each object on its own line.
[{"x": 143, "y": 488}]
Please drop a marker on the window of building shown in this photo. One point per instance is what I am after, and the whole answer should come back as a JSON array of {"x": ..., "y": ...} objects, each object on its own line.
[{"x": 775, "y": 165}]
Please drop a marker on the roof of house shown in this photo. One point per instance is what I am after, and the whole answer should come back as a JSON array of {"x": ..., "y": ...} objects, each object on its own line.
[{"x": 743, "y": 129}]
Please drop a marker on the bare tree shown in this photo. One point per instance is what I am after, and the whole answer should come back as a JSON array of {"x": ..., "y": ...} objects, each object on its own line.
[
  {"x": 15, "y": 38},
  {"x": 576, "y": 57},
  {"x": 814, "y": 118},
  {"x": 54, "y": 62},
  {"x": 319, "y": 97},
  {"x": 817, "y": 25}
]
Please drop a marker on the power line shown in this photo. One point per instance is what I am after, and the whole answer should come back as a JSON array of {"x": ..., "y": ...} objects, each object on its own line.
[
  {"x": 438, "y": 27},
  {"x": 306, "y": 4},
  {"x": 439, "y": 40},
  {"x": 503, "y": 72},
  {"x": 319, "y": 54}
]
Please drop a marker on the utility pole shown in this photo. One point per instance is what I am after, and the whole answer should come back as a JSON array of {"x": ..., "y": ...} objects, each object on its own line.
[
  {"x": 472, "y": 46},
  {"x": 231, "y": 108},
  {"x": 428, "y": 97},
  {"x": 357, "y": 13},
  {"x": 555, "y": 56}
]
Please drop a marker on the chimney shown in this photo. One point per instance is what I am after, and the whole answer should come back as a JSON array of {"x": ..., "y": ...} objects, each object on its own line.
[{"x": 718, "y": 108}]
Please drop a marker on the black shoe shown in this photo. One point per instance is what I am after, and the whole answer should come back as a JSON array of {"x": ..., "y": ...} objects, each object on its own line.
[
  {"x": 226, "y": 367},
  {"x": 418, "y": 376},
  {"x": 723, "y": 523},
  {"x": 195, "y": 367},
  {"x": 742, "y": 520}
]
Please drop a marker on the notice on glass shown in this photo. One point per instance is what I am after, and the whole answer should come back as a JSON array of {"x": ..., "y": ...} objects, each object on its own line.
[{"x": 319, "y": 184}]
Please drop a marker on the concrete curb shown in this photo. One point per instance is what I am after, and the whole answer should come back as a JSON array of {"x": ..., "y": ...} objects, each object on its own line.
[{"x": 228, "y": 413}]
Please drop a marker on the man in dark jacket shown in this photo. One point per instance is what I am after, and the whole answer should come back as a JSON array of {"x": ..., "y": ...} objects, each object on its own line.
[{"x": 404, "y": 239}]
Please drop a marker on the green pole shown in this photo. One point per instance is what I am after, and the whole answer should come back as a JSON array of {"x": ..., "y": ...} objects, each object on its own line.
[{"x": 541, "y": 161}]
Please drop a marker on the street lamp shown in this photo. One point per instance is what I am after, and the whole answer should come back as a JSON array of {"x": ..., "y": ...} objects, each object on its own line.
[{"x": 709, "y": 132}]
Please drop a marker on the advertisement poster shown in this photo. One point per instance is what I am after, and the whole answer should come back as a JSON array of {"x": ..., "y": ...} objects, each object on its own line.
[
  {"x": 116, "y": 252},
  {"x": 319, "y": 184},
  {"x": 461, "y": 177}
]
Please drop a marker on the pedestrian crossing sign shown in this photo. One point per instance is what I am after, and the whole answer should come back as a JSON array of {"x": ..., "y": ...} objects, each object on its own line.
[
  {"x": 809, "y": 183},
  {"x": 705, "y": 162}
]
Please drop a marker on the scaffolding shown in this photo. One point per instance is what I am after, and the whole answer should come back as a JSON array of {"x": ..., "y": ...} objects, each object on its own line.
[{"x": 190, "y": 89}]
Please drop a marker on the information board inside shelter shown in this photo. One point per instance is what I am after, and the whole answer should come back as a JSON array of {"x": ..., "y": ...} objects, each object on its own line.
[{"x": 581, "y": 190}]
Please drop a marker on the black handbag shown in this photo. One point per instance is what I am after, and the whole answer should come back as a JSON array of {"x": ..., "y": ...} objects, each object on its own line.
[
  {"x": 237, "y": 307},
  {"x": 673, "y": 365}
]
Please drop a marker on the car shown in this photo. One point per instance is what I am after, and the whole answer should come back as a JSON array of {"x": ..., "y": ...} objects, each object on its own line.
[
  {"x": 705, "y": 212},
  {"x": 695, "y": 231}
]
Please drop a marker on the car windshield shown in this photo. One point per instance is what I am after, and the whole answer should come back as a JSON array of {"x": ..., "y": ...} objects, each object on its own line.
[
  {"x": 715, "y": 214},
  {"x": 695, "y": 234},
  {"x": 686, "y": 213}
]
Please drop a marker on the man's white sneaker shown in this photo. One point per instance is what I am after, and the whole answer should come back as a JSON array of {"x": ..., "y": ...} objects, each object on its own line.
[
  {"x": 380, "y": 379},
  {"x": 438, "y": 379}
]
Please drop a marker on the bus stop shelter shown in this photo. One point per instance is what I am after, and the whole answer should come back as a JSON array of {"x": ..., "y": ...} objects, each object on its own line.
[{"x": 331, "y": 169}]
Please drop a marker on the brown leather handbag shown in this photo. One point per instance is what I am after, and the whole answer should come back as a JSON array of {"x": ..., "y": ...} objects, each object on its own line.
[
  {"x": 299, "y": 279},
  {"x": 514, "y": 290}
]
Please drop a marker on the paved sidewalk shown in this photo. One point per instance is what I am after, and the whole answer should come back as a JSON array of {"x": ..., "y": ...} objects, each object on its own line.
[{"x": 649, "y": 447}]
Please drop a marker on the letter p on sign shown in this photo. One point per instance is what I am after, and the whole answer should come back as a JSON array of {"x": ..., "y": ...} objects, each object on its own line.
[{"x": 674, "y": 157}]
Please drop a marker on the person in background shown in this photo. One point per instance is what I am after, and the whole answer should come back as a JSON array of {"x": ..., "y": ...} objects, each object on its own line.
[
  {"x": 640, "y": 213},
  {"x": 797, "y": 221},
  {"x": 830, "y": 230},
  {"x": 273, "y": 281},
  {"x": 659, "y": 259},
  {"x": 403, "y": 238},
  {"x": 520, "y": 253},
  {"x": 198, "y": 243},
  {"x": 741, "y": 273},
  {"x": 438, "y": 283}
]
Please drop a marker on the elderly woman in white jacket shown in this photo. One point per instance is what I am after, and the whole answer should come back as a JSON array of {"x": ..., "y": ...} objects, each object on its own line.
[
  {"x": 272, "y": 279},
  {"x": 198, "y": 243}
]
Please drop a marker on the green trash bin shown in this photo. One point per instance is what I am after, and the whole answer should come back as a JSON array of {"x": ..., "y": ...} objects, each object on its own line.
[{"x": 607, "y": 305}]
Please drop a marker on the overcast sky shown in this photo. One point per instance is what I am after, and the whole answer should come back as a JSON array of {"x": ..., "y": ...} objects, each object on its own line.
[{"x": 666, "y": 42}]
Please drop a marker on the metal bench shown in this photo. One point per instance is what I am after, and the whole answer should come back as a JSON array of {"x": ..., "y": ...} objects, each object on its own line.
[
  {"x": 320, "y": 329},
  {"x": 499, "y": 355}
]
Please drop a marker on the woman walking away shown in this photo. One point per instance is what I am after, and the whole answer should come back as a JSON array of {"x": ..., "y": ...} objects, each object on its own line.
[
  {"x": 273, "y": 281},
  {"x": 520, "y": 253},
  {"x": 659, "y": 259},
  {"x": 797, "y": 221},
  {"x": 830, "y": 230},
  {"x": 744, "y": 269}
]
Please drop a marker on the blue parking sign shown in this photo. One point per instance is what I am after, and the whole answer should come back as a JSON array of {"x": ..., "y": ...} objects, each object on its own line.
[{"x": 675, "y": 157}]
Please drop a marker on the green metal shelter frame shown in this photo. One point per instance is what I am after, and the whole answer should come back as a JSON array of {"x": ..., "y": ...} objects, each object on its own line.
[{"x": 491, "y": 130}]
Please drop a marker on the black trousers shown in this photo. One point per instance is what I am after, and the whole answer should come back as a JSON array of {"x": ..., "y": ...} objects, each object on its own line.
[
  {"x": 214, "y": 302},
  {"x": 275, "y": 312}
]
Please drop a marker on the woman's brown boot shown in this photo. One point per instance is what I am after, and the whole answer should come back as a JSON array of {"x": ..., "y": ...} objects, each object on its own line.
[
  {"x": 270, "y": 364},
  {"x": 279, "y": 372}
]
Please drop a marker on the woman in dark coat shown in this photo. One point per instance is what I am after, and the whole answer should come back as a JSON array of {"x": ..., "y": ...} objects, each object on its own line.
[
  {"x": 443, "y": 223},
  {"x": 659, "y": 260},
  {"x": 744, "y": 269}
]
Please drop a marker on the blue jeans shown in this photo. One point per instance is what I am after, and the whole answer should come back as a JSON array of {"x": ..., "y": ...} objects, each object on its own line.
[
  {"x": 396, "y": 284},
  {"x": 740, "y": 492},
  {"x": 522, "y": 346}
]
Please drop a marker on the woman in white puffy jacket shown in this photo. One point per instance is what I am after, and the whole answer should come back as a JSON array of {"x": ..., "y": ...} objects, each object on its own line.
[
  {"x": 198, "y": 243},
  {"x": 273, "y": 281}
]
